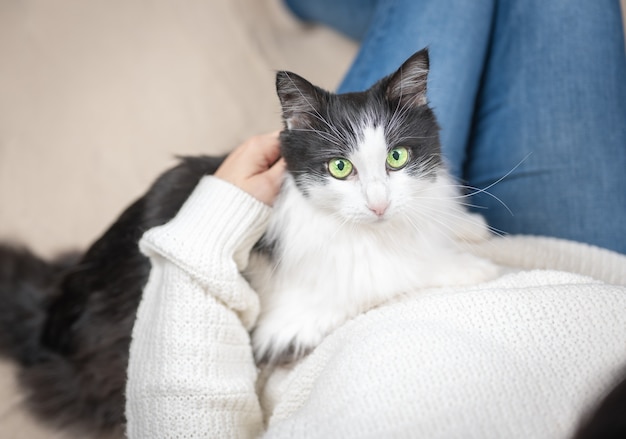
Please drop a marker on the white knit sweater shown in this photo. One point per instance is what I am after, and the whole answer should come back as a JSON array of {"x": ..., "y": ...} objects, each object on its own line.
[{"x": 522, "y": 356}]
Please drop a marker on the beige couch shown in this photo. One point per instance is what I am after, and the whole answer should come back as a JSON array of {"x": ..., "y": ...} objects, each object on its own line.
[{"x": 97, "y": 97}]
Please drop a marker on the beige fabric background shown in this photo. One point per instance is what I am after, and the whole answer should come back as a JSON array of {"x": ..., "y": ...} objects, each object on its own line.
[{"x": 96, "y": 98}]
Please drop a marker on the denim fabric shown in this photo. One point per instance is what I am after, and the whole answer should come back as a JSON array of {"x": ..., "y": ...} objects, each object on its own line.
[
  {"x": 350, "y": 17},
  {"x": 533, "y": 90}
]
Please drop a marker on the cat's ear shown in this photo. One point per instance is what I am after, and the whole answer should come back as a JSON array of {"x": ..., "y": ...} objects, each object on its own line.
[
  {"x": 300, "y": 100},
  {"x": 408, "y": 83}
]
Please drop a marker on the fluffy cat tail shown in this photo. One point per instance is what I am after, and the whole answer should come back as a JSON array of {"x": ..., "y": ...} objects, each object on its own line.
[{"x": 26, "y": 284}]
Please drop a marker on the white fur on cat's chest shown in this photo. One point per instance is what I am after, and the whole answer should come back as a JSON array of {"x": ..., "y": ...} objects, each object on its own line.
[{"x": 325, "y": 271}]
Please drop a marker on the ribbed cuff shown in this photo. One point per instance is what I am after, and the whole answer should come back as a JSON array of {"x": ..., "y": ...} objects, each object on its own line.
[{"x": 211, "y": 236}]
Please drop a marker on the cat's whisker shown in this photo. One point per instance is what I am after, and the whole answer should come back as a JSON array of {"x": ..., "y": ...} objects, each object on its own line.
[
  {"x": 486, "y": 192},
  {"x": 325, "y": 135},
  {"x": 457, "y": 216},
  {"x": 398, "y": 115},
  {"x": 400, "y": 139},
  {"x": 462, "y": 195},
  {"x": 469, "y": 205},
  {"x": 485, "y": 189},
  {"x": 428, "y": 165},
  {"x": 455, "y": 197},
  {"x": 473, "y": 206},
  {"x": 422, "y": 213},
  {"x": 474, "y": 190},
  {"x": 333, "y": 135},
  {"x": 460, "y": 240},
  {"x": 510, "y": 172},
  {"x": 340, "y": 138}
]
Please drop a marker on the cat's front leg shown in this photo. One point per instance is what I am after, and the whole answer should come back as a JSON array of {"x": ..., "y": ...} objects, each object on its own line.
[{"x": 289, "y": 331}]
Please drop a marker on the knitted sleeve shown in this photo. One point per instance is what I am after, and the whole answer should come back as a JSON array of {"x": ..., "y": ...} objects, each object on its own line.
[{"x": 191, "y": 372}]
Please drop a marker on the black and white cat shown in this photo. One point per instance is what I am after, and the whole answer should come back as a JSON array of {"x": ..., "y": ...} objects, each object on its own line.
[{"x": 367, "y": 211}]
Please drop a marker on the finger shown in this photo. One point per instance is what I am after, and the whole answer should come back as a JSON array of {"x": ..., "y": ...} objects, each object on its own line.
[
  {"x": 276, "y": 171},
  {"x": 275, "y": 177},
  {"x": 269, "y": 147},
  {"x": 266, "y": 185},
  {"x": 255, "y": 156}
]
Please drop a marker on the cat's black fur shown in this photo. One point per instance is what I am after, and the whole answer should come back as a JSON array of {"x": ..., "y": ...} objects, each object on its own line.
[
  {"x": 608, "y": 419},
  {"x": 307, "y": 160},
  {"x": 68, "y": 322}
]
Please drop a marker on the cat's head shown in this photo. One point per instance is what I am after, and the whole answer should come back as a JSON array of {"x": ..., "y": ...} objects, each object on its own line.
[{"x": 361, "y": 156}]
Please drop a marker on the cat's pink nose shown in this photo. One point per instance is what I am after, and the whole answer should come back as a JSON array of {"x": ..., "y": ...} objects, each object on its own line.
[
  {"x": 379, "y": 208},
  {"x": 377, "y": 197}
]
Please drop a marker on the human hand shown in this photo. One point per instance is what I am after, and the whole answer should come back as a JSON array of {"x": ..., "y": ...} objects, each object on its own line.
[{"x": 255, "y": 167}]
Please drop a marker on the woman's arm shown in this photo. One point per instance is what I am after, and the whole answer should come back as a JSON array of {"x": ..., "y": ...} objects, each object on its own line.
[{"x": 191, "y": 372}]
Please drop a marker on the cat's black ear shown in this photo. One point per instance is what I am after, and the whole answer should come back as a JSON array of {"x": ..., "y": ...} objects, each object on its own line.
[
  {"x": 408, "y": 83},
  {"x": 300, "y": 100}
]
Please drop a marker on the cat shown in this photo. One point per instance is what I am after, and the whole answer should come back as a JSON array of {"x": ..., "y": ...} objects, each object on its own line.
[{"x": 367, "y": 211}]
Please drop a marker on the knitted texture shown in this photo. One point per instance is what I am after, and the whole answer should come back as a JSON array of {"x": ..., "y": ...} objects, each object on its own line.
[
  {"x": 522, "y": 356},
  {"x": 191, "y": 373}
]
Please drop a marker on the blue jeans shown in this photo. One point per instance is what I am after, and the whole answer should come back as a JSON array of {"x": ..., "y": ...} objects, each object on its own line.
[{"x": 535, "y": 89}]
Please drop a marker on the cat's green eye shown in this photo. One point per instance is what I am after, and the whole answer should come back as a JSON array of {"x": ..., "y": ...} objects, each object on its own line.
[
  {"x": 340, "y": 168},
  {"x": 397, "y": 158}
]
